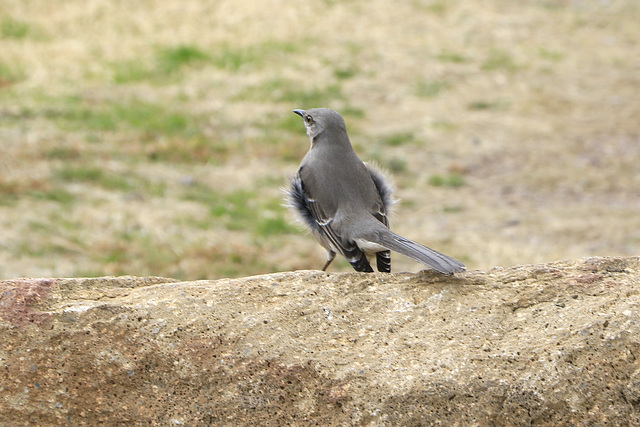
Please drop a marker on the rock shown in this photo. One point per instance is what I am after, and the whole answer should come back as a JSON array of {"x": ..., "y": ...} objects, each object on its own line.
[{"x": 551, "y": 344}]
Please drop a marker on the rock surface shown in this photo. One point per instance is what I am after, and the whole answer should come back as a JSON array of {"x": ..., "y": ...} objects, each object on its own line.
[{"x": 552, "y": 344}]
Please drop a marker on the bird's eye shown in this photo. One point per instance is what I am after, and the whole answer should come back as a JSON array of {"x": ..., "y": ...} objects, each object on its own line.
[{"x": 309, "y": 119}]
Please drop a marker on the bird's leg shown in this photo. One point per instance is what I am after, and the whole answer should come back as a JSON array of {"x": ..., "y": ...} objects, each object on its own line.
[{"x": 330, "y": 256}]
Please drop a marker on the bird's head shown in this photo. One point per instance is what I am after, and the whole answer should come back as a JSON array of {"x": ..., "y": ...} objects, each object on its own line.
[{"x": 320, "y": 120}]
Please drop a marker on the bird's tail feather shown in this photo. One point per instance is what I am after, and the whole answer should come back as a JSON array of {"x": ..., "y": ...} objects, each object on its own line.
[{"x": 434, "y": 259}]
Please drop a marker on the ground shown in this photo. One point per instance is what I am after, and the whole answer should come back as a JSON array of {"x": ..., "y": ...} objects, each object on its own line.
[{"x": 153, "y": 138}]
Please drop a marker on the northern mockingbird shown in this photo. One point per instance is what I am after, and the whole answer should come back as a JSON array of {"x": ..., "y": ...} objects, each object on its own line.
[{"x": 344, "y": 202}]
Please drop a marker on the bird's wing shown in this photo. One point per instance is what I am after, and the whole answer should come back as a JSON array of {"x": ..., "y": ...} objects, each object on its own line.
[{"x": 321, "y": 223}]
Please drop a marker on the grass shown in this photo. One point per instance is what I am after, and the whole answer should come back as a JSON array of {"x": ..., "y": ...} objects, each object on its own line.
[
  {"x": 293, "y": 93},
  {"x": 398, "y": 139},
  {"x": 11, "y": 28},
  {"x": 488, "y": 105},
  {"x": 95, "y": 175},
  {"x": 11, "y": 74},
  {"x": 396, "y": 165},
  {"x": 453, "y": 180},
  {"x": 235, "y": 58},
  {"x": 551, "y": 55},
  {"x": 502, "y": 60},
  {"x": 157, "y": 133},
  {"x": 172, "y": 61},
  {"x": 144, "y": 141},
  {"x": 345, "y": 73},
  {"x": 241, "y": 210},
  {"x": 167, "y": 62},
  {"x": 452, "y": 57},
  {"x": 431, "y": 89},
  {"x": 60, "y": 195},
  {"x": 445, "y": 125},
  {"x": 134, "y": 114}
]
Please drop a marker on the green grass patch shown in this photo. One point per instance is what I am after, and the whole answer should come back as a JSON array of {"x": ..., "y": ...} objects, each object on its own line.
[
  {"x": 106, "y": 179},
  {"x": 172, "y": 59},
  {"x": 40, "y": 248},
  {"x": 168, "y": 61},
  {"x": 236, "y": 210},
  {"x": 9, "y": 188},
  {"x": 316, "y": 97},
  {"x": 236, "y": 58},
  {"x": 75, "y": 113},
  {"x": 452, "y": 57},
  {"x": 286, "y": 141},
  {"x": 9, "y": 192},
  {"x": 12, "y": 190},
  {"x": 500, "y": 60},
  {"x": 445, "y": 125},
  {"x": 133, "y": 70},
  {"x": 272, "y": 220},
  {"x": 233, "y": 59},
  {"x": 94, "y": 175},
  {"x": 198, "y": 192},
  {"x": 431, "y": 89},
  {"x": 146, "y": 117},
  {"x": 51, "y": 236},
  {"x": 454, "y": 180},
  {"x": 197, "y": 149},
  {"x": 393, "y": 164},
  {"x": 56, "y": 194},
  {"x": 353, "y": 112},
  {"x": 296, "y": 95},
  {"x": 453, "y": 209},
  {"x": 551, "y": 55},
  {"x": 345, "y": 73},
  {"x": 228, "y": 260},
  {"x": 290, "y": 123},
  {"x": 293, "y": 93},
  {"x": 397, "y": 139},
  {"x": 396, "y": 164},
  {"x": 11, "y": 73},
  {"x": 11, "y": 28},
  {"x": 137, "y": 250},
  {"x": 437, "y": 7},
  {"x": 488, "y": 105},
  {"x": 241, "y": 210},
  {"x": 62, "y": 153},
  {"x": 274, "y": 226}
]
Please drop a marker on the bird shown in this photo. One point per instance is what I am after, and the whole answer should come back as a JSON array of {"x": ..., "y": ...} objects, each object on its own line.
[{"x": 345, "y": 202}]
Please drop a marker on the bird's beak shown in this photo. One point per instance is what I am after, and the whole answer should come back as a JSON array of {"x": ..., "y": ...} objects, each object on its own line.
[{"x": 299, "y": 112}]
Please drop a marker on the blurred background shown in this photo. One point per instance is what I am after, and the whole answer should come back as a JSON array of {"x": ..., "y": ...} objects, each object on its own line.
[{"x": 154, "y": 137}]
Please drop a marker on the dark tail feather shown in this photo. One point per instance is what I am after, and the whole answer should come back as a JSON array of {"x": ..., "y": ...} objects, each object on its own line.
[
  {"x": 434, "y": 259},
  {"x": 383, "y": 260}
]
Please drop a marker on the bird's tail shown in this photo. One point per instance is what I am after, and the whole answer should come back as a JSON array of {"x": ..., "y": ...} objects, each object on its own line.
[{"x": 434, "y": 259}]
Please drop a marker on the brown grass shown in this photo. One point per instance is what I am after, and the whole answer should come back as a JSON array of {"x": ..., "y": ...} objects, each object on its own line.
[{"x": 153, "y": 137}]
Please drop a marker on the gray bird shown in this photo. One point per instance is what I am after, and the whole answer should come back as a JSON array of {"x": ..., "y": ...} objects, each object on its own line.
[{"x": 345, "y": 202}]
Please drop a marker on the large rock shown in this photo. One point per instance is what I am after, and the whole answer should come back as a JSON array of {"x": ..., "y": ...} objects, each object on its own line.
[{"x": 552, "y": 344}]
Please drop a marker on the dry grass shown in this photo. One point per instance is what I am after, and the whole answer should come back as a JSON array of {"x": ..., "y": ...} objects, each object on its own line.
[{"x": 153, "y": 137}]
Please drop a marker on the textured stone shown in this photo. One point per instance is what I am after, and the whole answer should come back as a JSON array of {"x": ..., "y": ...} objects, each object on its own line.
[{"x": 552, "y": 344}]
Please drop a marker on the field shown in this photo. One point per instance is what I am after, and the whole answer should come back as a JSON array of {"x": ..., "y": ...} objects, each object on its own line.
[{"x": 154, "y": 137}]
